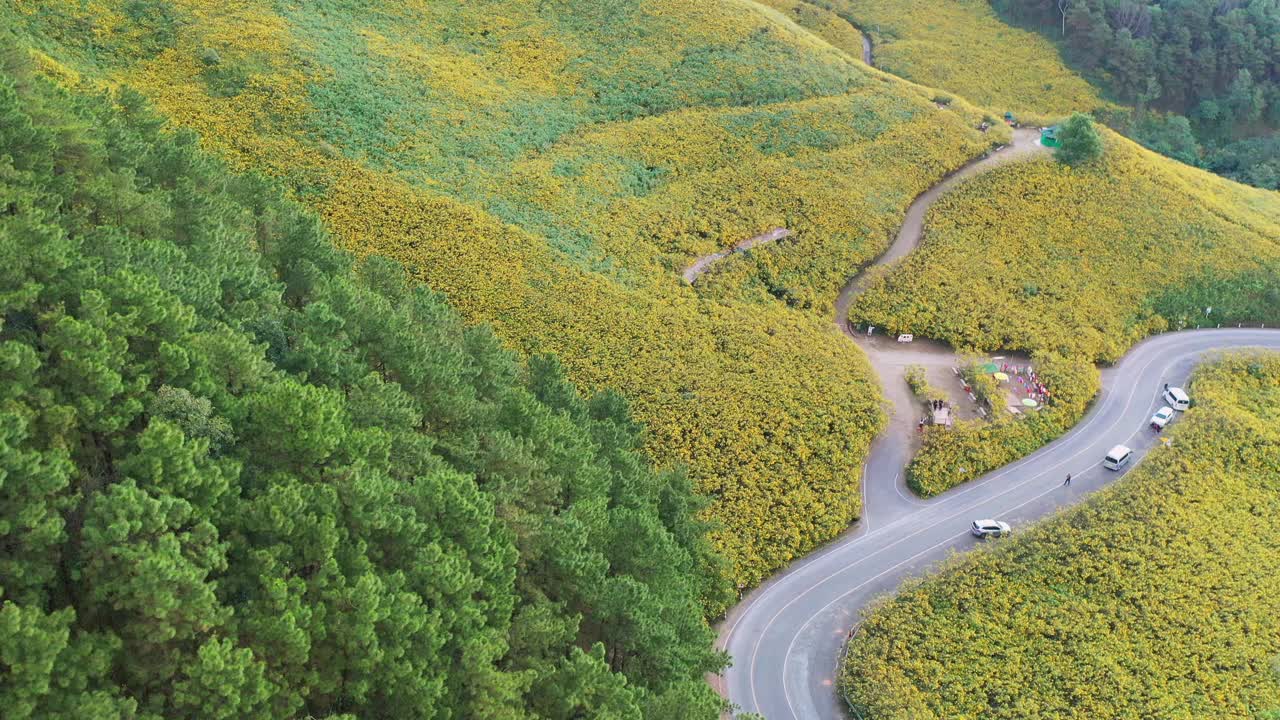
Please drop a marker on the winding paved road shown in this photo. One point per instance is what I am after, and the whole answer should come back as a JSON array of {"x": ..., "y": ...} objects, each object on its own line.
[
  {"x": 785, "y": 637},
  {"x": 894, "y": 447}
]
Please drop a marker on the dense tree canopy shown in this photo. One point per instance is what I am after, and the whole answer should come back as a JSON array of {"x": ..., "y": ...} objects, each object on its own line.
[
  {"x": 1183, "y": 56},
  {"x": 241, "y": 477},
  {"x": 1213, "y": 64}
]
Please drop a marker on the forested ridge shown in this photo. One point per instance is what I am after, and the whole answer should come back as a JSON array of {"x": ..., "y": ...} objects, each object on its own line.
[
  {"x": 1210, "y": 69},
  {"x": 549, "y": 167},
  {"x": 242, "y": 476}
]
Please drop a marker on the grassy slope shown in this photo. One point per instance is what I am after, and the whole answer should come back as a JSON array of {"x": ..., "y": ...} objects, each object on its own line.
[
  {"x": 1158, "y": 598},
  {"x": 1038, "y": 258},
  {"x": 821, "y": 21},
  {"x": 963, "y": 47},
  {"x": 1042, "y": 257},
  {"x": 549, "y": 165}
]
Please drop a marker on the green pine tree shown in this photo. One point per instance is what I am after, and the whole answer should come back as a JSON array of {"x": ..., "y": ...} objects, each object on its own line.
[
  {"x": 242, "y": 476},
  {"x": 1080, "y": 142}
]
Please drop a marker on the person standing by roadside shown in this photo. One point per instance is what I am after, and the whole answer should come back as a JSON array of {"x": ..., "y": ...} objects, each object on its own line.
[{"x": 1068, "y": 481}]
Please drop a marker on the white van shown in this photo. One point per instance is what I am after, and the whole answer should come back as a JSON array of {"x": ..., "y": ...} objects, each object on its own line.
[
  {"x": 1177, "y": 399},
  {"x": 1117, "y": 457}
]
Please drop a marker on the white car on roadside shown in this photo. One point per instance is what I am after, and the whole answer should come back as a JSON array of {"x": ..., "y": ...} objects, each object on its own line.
[
  {"x": 990, "y": 528},
  {"x": 1177, "y": 398},
  {"x": 1161, "y": 418}
]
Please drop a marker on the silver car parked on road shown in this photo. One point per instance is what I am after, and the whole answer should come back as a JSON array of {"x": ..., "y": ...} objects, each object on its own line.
[{"x": 990, "y": 528}]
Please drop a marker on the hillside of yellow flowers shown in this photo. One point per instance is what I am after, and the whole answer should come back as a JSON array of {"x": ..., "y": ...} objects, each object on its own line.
[
  {"x": 1038, "y": 256},
  {"x": 836, "y": 171},
  {"x": 963, "y": 47},
  {"x": 1159, "y": 597},
  {"x": 821, "y": 21},
  {"x": 550, "y": 166}
]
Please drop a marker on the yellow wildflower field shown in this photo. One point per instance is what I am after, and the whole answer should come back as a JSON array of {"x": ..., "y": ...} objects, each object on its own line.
[
  {"x": 821, "y": 21},
  {"x": 836, "y": 171},
  {"x": 963, "y": 47},
  {"x": 1041, "y": 257},
  {"x": 551, "y": 166}
]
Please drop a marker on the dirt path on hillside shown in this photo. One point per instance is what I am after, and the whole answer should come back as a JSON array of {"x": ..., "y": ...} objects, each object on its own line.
[
  {"x": 1026, "y": 143},
  {"x": 703, "y": 263},
  {"x": 898, "y": 443}
]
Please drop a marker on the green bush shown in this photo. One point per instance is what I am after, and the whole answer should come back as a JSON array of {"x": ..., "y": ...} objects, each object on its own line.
[
  {"x": 1080, "y": 142},
  {"x": 917, "y": 379},
  {"x": 984, "y": 386}
]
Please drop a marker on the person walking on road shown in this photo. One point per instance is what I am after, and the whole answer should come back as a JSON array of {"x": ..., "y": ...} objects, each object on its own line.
[{"x": 1068, "y": 481}]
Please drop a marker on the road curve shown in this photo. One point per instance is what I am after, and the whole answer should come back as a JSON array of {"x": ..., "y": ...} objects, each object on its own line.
[{"x": 785, "y": 637}]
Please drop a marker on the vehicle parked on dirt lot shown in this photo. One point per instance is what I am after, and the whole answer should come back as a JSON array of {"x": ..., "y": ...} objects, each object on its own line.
[
  {"x": 990, "y": 528},
  {"x": 1161, "y": 418}
]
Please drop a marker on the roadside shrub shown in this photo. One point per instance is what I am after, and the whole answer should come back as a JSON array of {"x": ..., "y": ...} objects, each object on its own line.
[{"x": 917, "y": 378}]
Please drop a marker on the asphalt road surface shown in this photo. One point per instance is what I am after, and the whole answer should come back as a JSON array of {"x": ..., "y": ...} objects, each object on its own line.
[{"x": 786, "y": 636}]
